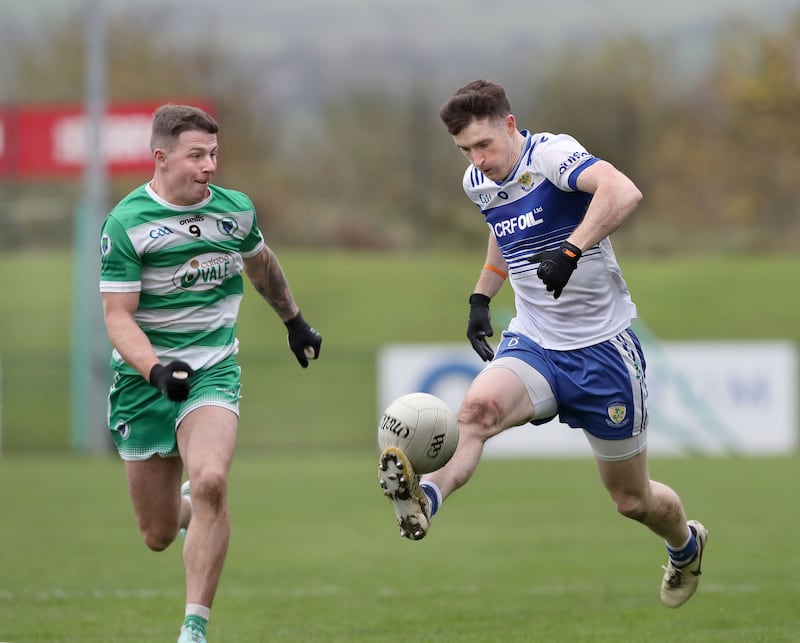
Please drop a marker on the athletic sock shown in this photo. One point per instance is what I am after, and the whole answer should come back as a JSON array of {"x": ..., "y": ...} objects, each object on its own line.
[
  {"x": 196, "y": 622},
  {"x": 197, "y": 616},
  {"x": 682, "y": 556},
  {"x": 434, "y": 495}
]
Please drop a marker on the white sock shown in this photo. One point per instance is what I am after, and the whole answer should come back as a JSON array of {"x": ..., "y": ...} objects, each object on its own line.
[
  {"x": 188, "y": 497},
  {"x": 193, "y": 609}
]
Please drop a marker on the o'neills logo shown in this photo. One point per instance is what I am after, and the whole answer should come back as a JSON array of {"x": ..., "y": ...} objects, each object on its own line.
[
  {"x": 393, "y": 425},
  {"x": 203, "y": 272},
  {"x": 571, "y": 160},
  {"x": 198, "y": 218}
]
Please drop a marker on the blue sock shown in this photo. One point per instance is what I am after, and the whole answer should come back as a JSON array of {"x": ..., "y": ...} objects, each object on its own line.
[
  {"x": 682, "y": 556},
  {"x": 434, "y": 495}
]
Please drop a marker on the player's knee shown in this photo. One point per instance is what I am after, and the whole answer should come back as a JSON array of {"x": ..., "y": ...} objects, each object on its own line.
[
  {"x": 631, "y": 506},
  {"x": 478, "y": 416},
  {"x": 157, "y": 538},
  {"x": 210, "y": 487}
]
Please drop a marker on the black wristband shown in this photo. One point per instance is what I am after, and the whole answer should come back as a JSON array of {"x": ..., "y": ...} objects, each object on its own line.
[
  {"x": 296, "y": 322},
  {"x": 154, "y": 374},
  {"x": 571, "y": 251},
  {"x": 477, "y": 299}
]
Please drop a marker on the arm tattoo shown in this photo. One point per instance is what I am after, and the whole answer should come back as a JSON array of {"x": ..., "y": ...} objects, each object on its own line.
[{"x": 273, "y": 286}]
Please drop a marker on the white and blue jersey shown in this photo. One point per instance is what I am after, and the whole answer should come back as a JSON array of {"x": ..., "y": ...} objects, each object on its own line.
[
  {"x": 581, "y": 343},
  {"x": 536, "y": 208}
]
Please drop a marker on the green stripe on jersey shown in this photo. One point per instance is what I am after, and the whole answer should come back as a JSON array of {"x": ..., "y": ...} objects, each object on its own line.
[
  {"x": 218, "y": 337},
  {"x": 186, "y": 263}
]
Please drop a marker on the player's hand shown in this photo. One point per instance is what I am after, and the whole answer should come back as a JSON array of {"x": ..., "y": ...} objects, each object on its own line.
[
  {"x": 557, "y": 266},
  {"x": 304, "y": 341},
  {"x": 479, "y": 326},
  {"x": 172, "y": 380}
]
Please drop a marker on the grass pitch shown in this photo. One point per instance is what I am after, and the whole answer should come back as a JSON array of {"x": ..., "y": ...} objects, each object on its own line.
[{"x": 528, "y": 551}]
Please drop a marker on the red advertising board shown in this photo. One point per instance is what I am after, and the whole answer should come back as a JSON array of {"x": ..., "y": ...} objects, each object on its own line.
[
  {"x": 51, "y": 141},
  {"x": 3, "y": 144}
]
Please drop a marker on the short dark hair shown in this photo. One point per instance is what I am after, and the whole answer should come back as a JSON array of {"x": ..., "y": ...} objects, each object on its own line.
[
  {"x": 476, "y": 99},
  {"x": 170, "y": 121}
]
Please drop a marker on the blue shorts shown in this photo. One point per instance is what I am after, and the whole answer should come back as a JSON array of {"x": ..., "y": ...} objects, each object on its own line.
[{"x": 600, "y": 388}]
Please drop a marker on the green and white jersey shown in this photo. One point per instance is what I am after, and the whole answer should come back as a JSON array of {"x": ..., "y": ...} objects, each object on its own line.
[{"x": 186, "y": 263}]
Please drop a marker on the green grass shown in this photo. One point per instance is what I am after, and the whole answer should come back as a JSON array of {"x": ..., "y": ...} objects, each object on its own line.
[
  {"x": 529, "y": 551},
  {"x": 732, "y": 297},
  {"x": 358, "y": 301}
]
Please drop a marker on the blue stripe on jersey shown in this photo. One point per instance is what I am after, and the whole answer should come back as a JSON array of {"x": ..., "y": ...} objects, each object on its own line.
[
  {"x": 540, "y": 220},
  {"x": 527, "y": 150},
  {"x": 573, "y": 177},
  {"x": 476, "y": 177}
]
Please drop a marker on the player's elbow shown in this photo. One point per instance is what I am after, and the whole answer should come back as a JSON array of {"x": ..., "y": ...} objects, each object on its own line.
[
  {"x": 635, "y": 196},
  {"x": 628, "y": 195},
  {"x": 626, "y": 201}
]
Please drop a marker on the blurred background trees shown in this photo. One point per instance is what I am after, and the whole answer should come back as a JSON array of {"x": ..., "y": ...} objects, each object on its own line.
[{"x": 716, "y": 150}]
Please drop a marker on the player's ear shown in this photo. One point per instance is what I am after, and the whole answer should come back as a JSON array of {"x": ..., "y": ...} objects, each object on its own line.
[
  {"x": 511, "y": 124},
  {"x": 159, "y": 157}
]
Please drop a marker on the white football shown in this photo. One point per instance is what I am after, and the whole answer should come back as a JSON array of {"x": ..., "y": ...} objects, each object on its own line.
[{"x": 423, "y": 427}]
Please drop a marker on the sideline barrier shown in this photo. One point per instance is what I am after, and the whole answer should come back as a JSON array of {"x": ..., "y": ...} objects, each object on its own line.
[{"x": 705, "y": 397}]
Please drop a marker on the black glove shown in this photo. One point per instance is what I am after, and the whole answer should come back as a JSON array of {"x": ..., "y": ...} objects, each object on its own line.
[
  {"x": 172, "y": 380},
  {"x": 556, "y": 266},
  {"x": 304, "y": 341},
  {"x": 480, "y": 326}
]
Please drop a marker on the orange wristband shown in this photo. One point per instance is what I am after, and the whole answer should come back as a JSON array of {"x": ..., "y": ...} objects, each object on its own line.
[{"x": 495, "y": 270}]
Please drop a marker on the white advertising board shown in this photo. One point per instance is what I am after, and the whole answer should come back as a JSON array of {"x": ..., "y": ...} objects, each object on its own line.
[{"x": 705, "y": 397}]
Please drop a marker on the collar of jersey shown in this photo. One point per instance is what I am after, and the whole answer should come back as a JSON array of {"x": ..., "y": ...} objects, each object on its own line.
[{"x": 525, "y": 147}]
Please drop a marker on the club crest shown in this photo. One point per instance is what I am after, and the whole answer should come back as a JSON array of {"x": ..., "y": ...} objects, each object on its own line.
[
  {"x": 617, "y": 413},
  {"x": 124, "y": 430},
  {"x": 227, "y": 226}
]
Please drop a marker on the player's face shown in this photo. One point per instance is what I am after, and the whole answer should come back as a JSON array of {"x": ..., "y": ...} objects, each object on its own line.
[
  {"x": 186, "y": 169},
  {"x": 490, "y": 145}
]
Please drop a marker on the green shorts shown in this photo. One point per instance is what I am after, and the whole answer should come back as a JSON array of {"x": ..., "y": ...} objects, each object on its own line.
[{"x": 143, "y": 422}]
